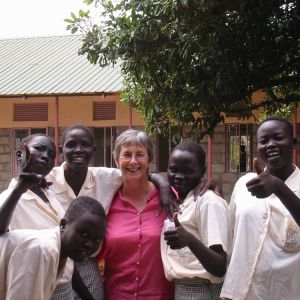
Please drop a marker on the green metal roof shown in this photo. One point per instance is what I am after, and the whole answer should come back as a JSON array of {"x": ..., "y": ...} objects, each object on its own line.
[{"x": 51, "y": 65}]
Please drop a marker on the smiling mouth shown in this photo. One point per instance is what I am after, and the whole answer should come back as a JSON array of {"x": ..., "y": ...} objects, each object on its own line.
[
  {"x": 78, "y": 159},
  {"x": 273, "y": 155},
  {"x": 133, "y": 170}
]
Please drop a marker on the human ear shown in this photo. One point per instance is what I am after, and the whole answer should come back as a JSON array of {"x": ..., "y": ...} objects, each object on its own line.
[
  {"x": 62, "y": 224},
  {"x": 19, "y": 155},
  {"x": 116, "y": 162}
]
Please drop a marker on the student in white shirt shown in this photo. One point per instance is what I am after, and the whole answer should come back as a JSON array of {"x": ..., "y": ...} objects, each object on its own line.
[
  {"x": 265, "y": 214},
  {"x": 28, "y": 204},
  {"x": 32, "y": 261},
  {"x": 194, "y": 252}
]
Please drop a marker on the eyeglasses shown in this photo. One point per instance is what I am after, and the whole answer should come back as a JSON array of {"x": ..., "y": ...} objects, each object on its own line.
[{"x": 137, "y": 157}]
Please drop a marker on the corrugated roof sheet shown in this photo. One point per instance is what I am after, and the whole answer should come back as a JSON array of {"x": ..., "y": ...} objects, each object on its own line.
[{"x": 51, "y": 65}]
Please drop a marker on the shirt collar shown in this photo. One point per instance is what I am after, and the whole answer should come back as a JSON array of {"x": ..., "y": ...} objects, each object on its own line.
[
  {"x": 188, "y": 199},
  {"x": 293, "y": 180},
  {"x": 61, "y": 185}
]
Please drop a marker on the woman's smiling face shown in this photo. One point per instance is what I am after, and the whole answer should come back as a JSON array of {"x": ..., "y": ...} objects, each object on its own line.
[
  {"x": 78, "y": 149},
  {"x": 275, "y": 147},
  {"x": 133, "y": 161}
]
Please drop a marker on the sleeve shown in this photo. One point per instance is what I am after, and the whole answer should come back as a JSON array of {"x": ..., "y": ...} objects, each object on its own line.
[
  {"x": 213, "y": 221},
  {"x": 32, "y": 272},
  {"x": 232, "y": 207}
]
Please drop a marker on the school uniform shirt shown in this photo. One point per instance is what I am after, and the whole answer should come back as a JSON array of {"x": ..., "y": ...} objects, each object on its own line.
[
  {"x": 32, "y": 212},
  {"x": 207, "y": 218},
  {"x": 265, "y": 261},
  {"x": 100, "y": 183},
  {"x": 29, "y": 264},
  {"x": 131, "y": 251}
]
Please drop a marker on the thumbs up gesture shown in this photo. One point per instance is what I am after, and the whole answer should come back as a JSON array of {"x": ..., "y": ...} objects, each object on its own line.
[
  {"x": 178, "y": 237},
  {"x": 264, "y": 184},
  {"x": 257, "y": 166}
]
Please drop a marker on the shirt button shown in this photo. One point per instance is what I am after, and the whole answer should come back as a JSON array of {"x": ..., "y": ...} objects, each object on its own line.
[
  {"x": 137, "y": 262},
  {"x": 135, "y": 294},
  {"x": 136, "y": 278},
  {"x": 139, "y": 245},
  {"x": 138, "y": 214},
  {"x": 138, "y": 229}
]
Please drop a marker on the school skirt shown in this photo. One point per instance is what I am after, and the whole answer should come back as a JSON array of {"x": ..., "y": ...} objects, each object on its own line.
[
  {"x": 63, "y": 292},
  {"x": 196, "y": 289},
  {"x": 89, "y": 272}
]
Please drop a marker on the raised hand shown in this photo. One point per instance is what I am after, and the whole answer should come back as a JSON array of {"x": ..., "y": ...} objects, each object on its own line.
[
  {"x": 179, "y": 237},
  {"x": 264, "y": 184},
  {"x": 27, "y": 179}
]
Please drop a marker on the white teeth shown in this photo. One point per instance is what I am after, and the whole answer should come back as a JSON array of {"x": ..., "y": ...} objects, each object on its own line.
[
  {"x": 273, "y": 153},
  {"x": 78, "y": 159}
]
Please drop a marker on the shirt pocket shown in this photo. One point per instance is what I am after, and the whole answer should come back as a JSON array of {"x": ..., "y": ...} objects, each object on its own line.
[{"x": 285, "y": 231}]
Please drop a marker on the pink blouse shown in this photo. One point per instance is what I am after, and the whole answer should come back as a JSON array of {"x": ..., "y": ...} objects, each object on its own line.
[{"x": 131, "y": 250}]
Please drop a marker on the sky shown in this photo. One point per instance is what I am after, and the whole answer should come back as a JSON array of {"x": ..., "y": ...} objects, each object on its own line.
[{"x": 30, "y": 18}]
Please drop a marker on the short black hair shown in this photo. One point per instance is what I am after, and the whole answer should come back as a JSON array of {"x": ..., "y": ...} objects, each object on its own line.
[
  {"x": 195, "y": 149},
  {"x": 83, "y": 204},
  {"x": 288, "y": 124},
  {"x": 77, "y": 126}
]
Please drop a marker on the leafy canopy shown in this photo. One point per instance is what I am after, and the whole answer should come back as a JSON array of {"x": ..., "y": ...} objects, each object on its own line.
[{"x": 192, "y": 62}]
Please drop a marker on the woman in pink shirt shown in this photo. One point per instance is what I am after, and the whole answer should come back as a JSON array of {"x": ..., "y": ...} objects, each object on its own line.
[{"x": 131, "y": 250}]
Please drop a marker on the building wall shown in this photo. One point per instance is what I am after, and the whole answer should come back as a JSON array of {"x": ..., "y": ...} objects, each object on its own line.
[
  {"x": 72, "y": 110},
  {"x": 79, "y": 109}
]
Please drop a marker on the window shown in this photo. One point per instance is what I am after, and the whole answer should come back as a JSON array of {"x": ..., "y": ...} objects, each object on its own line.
[
  {"x": 18, "y": 135},
  {"x": 239, "y": 147},
  {"x": 104, "y": 139}
]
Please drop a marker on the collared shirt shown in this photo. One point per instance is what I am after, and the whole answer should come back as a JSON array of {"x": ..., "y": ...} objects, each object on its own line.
[
  {"x": 265, "y": 261},
  {"x": 32, "y": 212},
  {"x": 207, "y": 219},
  {"x": 100, "y": 183},
  {"x": 29, "y": 264},
  {"x": 133, "y": 266}
]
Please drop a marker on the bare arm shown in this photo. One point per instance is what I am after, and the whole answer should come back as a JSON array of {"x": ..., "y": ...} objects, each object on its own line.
[
  {"x": 265, "y": 184},
  {"x": 213, "y": 259},
  {"x": 167, "y": 197},
  {"x": 25, "y": 181}
]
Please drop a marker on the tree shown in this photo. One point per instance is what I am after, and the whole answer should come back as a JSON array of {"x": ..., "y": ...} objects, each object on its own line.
[{"x": 193, "y": 62}]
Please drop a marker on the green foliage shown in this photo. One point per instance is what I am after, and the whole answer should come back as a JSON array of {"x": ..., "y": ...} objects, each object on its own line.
[{"x": 192, "y": 62}]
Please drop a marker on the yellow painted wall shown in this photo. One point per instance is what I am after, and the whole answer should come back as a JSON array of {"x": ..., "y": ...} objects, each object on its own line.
[
  {"x": 79, "y": 110},
  {"x": 72, "y": 110}
]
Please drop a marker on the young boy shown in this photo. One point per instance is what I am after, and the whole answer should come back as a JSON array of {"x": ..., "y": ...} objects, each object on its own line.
[{"x": 33, "y": 260}]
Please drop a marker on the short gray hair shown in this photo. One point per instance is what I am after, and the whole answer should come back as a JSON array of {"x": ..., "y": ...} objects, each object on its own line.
[{"x": 133, "y": 137}]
